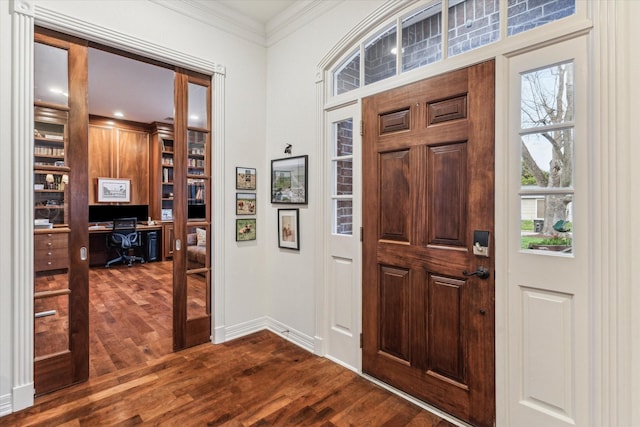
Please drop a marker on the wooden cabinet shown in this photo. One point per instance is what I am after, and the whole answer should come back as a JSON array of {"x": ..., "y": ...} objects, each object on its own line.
[
  {"x": 51, "y": 249},
  {"x": 119, "y": 150}
]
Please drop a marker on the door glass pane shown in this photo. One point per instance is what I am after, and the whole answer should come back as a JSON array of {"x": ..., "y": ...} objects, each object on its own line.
[
  {"x": 50, "y": 66},
  {"x": 197, "y": 247},
  {"x": 197, "y": 294},
  {"x": 197, "y": 106},
  {"x": 197, "y": 180},
  {"x": 546, "y": 222},
  {"x": 347, "y": 76},
  {"x": 523, "y": 15},
  {"x": 380, "y": 57},
  {"x": 547, "y": 159},
  {"x": 472, "y": 24},
  {"x": 547, "y": 96},
  {"x": 343, "y": 217},
  {"x": 343, "y": 177},
  {"x": 343, "y": 138},
  {"x": 422, "y": 38},
  {"x": 51, "y": 324}
]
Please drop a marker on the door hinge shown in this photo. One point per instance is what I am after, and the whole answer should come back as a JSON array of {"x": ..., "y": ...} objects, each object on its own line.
[
  {"x": 361, "y": 128},
  {"x": 361, "y": 233},
  {"x": 361, "y": 339}
]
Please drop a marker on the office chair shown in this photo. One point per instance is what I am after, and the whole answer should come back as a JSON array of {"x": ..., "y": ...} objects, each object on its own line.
[{"x": 124, "y": 237}]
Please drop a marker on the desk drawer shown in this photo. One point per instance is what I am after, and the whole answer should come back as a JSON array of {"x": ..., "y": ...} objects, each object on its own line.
[
  {"x": 53, "y": 259},
  {"x": 50, "y": 241}
]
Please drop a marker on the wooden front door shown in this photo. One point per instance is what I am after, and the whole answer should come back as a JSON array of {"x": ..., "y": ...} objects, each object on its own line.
[{"x": 428, "y": 184}]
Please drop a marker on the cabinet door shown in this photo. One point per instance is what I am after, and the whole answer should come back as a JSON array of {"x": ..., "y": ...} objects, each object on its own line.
[{"x": 132, "y": 149}]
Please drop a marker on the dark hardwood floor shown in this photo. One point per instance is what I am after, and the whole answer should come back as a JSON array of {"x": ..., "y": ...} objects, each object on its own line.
[
  {"x": 130, "y": 311},
  {"x": 258, "y": 380}
]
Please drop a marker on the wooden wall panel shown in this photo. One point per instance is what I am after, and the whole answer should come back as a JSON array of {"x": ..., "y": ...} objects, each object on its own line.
[
  {"x": 446, "y": 328},
  {"x": 100, "y": 142},
  {"x": 394, "y": 195},
  {"x": 394, "y": 312},
  {"x": 133, "y": 163},
  {"x": 447, "y": 180}
]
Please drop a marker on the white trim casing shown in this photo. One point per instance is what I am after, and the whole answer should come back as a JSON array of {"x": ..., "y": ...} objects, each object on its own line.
[{"x": 22, "y": 203}]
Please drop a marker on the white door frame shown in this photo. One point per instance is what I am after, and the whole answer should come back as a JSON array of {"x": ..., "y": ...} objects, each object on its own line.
[{"x": 25, "y": 15}]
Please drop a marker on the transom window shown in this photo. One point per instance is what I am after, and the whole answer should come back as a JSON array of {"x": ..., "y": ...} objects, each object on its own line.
[{"x": 468, "y": 25}]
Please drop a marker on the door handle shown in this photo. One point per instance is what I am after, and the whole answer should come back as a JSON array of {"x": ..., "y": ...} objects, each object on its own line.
[{"x": 481, "y": 272}]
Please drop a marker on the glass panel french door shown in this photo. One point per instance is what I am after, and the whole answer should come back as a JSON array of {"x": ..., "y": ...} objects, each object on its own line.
[
  {"x": 192, "y": 210},
  {"x": 61, "y": 274}
]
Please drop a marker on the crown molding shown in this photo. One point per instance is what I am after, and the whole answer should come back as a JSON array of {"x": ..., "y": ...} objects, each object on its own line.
[
  {"x": 295, "y": 17},
  {"x": 224, "y": 18}
]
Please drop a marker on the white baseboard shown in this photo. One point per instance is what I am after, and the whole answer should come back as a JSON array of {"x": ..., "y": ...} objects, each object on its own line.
[
  {"x": 302, "y": 340},
  {"x": 218, "y": 335},
  {"x": 5, "y": 405},
  {"x": 23, "y": 396}
]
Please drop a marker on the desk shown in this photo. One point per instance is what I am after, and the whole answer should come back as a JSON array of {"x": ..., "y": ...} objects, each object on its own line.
[{"x": 100, "y": 253}]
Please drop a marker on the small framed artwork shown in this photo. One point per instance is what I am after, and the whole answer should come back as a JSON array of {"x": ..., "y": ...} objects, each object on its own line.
[
  {"x": 288, "y": 229},
  {"x": 245, "y": 229},
  {"x": 246, "y": 203},
  {"x": 114, "y": 190},
  {"x": 289, "y": 180},
  {"x": 245, "y": 178}
]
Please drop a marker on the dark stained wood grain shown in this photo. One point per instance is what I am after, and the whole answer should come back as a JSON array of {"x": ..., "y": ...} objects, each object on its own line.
[
  {"x": 257, "y": 380},
  {"x": 445, "y": 191}
]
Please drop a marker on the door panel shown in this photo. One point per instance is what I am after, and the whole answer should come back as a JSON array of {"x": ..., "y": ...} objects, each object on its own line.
[
  {"x": 428, "y": 182},
  {"x": 61, "y": 275}
]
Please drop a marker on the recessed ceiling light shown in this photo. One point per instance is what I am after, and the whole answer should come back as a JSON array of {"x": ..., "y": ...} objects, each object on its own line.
[
  {"x": 58, "y": 91},
  {"x": 118, "y": 114}
]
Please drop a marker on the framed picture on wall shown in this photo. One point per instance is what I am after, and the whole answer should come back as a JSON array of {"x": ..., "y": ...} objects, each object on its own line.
[
  {"x": 245, "y": 178},
  {"x": 289, "y": 180},
  {"x": 114, "y": 190},
  {"x": 288, "y": 229},
  {"x": 245, "y": 229},
  {"x": 246, "y": 204}
]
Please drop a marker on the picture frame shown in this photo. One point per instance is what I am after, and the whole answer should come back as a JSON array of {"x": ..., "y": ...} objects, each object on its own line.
[
  {"x": 288, "y": 229},
  {"x": 114, "y": 190},
  {"x": 246, "y": 204},
  {"x": 246, "y": 178},
  {"x": 289, "y": 180},
  {"x": 246, "y": 229}
]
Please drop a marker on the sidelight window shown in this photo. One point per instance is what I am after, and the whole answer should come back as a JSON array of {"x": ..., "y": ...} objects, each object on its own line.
[
  {"x": 547, "y": 158},
  {"x": 342, "y": 188}
]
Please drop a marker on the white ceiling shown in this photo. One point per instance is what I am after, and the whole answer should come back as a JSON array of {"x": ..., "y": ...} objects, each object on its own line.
[{"x": 144, "y": 92}]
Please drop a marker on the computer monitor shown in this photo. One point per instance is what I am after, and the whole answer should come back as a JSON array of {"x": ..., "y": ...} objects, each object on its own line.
[{"x": 106, "y": 213}]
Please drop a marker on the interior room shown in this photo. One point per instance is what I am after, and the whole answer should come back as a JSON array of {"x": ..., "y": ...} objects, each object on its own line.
[{"x": 454, "y": 246}]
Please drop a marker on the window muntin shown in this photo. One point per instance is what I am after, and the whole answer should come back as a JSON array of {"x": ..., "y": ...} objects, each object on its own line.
[
  {"x": 472, "y": 24},
  {"x": 342, "y": 177},
  {"x": 347, "y": 76},
  {"x": 547, "y": 157},
  {"x": 422, "y": 37},
  {"x": 380, "y": 57},
  {"x": 524, "y": 15}
]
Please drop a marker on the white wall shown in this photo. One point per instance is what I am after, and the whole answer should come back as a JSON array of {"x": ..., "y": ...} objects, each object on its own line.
[{"x": 291, "y": 118}]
